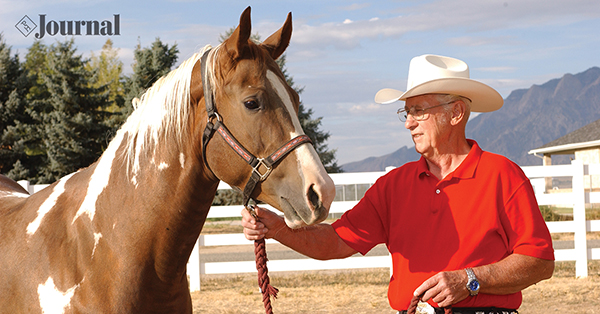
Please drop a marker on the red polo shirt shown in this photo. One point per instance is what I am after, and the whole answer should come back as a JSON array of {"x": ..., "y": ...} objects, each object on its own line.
[{"x": 479, "y": 214}]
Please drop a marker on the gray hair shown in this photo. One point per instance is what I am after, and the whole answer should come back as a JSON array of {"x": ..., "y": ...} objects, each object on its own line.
[{"x": 447, "y": 98}]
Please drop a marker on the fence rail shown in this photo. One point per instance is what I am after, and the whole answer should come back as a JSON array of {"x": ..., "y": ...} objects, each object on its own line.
[{"x": 577, "y": 198}]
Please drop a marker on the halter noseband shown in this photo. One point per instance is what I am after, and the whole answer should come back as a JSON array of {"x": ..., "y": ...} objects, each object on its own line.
[{"x": 256, "y": 163}]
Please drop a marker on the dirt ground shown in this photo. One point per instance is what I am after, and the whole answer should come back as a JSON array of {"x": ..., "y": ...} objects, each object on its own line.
[{"x": 365, "y": 291}]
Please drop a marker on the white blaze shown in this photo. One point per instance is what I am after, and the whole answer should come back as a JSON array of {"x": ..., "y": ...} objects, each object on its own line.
[
  {"x": 309, "y": 164},
  {"x": 97, "y": 237},
  {"x": 99, "y": 179},
  {"x": 52, "y": 300},
  {"x": 286, "y": 98},
  {"x": 308, "y": 158},
  {"x": 48, "y": 204}
]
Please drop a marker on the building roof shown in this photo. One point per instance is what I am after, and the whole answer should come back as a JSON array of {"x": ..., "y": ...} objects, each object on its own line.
[{"x": 585, "y": 137}]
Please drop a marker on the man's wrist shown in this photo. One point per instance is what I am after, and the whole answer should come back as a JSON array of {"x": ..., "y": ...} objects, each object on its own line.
[{"x": 472, "y": 282}]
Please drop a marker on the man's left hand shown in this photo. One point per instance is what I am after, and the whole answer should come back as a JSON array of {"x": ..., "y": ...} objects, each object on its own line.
[{"x": 445, "y": 288}]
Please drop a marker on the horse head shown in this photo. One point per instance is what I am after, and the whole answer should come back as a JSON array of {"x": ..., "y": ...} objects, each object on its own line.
[{"x": 260, "y": 110}]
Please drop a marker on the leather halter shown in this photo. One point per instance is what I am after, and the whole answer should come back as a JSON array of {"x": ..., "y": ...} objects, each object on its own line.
[{"x": 256, "y": 163}]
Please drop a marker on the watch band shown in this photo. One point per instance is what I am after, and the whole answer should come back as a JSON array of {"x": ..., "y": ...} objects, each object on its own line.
[{"x": 473, "y": 283}]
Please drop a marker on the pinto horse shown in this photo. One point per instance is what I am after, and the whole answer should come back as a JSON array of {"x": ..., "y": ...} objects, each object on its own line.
[{"x": 115, "y": 237}]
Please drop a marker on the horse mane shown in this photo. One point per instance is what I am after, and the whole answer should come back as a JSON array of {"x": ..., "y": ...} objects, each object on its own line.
[{"x": 163, "y": 109}]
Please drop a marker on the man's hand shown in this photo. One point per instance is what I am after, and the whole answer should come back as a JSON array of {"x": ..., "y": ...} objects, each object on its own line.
[
  {"x": 445, "y": 288},
  {"x": 510, "y": 275},
  {"x": 267, "y": 226}
]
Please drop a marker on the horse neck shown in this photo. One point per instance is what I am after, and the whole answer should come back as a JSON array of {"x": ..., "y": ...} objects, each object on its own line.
[{"x": 167, "y": 197}]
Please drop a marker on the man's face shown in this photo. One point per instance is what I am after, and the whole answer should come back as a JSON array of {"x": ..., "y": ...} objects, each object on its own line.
[{"x": 433, "y": 130}]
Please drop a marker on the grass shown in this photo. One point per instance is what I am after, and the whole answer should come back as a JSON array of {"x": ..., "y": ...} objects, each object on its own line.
[{"x": 365, "y": 291}]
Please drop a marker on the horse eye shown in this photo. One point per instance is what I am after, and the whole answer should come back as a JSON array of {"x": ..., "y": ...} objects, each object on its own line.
[{"x": 251, "y": 104}]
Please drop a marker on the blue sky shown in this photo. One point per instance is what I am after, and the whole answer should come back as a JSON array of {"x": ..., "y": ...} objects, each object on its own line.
[{"x": 343, "y": 52}]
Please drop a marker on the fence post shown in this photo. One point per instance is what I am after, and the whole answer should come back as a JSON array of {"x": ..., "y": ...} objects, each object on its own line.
[
  {"x": 581, "y": 256},
  {"x": 193, "y": 269},
  {"x": 26, "y": 185}
]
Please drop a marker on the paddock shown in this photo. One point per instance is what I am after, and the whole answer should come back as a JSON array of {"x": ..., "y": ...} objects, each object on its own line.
[{"x": 351, "y": 186}]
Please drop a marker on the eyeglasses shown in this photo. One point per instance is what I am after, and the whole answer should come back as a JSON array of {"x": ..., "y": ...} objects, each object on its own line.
[{"x": 418, "y": 113}]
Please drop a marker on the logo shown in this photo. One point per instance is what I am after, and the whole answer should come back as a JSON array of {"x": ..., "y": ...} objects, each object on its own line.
[
  {"x": 107, "y": 27},
  {"x": 26, "y": 26}
]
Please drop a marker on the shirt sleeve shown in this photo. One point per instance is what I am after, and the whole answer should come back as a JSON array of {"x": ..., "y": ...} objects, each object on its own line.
[
  {"x": 362, "y": 227},
  {"x": 526, "y": 229}
]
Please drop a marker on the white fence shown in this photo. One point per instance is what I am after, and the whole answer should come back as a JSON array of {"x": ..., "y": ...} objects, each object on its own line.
[{"x": 577, "y": 198}]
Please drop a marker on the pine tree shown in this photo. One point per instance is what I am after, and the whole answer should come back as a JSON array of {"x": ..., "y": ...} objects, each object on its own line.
[
  {"x": 13, "y": 87},
  {"x": 109, "y": 73},
  {"x": 150, "y": 64},
  {"x": 70, "y": 122}
]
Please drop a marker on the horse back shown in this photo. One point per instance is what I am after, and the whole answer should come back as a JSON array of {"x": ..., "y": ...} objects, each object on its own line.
[{"x": 9, "y": 185}]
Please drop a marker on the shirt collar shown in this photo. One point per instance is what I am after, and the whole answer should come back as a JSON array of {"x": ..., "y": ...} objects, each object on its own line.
[{"x": 465, "y": 170}]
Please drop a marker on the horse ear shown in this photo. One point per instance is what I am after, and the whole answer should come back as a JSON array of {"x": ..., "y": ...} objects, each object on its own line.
[
  {"x": 196, "y": 87},
  {"x": 279, "y": 41},
  {"x": 237, "y": 43}
]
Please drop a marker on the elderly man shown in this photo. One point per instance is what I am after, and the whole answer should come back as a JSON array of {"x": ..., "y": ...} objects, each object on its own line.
[{"x": 462, "y": 225}]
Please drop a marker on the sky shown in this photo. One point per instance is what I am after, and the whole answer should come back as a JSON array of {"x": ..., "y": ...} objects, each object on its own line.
[{"x": 343, "y": 52}]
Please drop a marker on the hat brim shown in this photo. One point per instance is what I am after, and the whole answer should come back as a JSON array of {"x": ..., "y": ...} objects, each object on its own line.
[{"x": 483, "y": 97}]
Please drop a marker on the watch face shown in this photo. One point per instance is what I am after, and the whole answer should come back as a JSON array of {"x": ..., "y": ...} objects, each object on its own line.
[{"x": 473, "y": 285}]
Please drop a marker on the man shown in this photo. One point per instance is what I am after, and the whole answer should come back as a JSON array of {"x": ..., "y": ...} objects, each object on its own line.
[{"x": 462, "y": 225}]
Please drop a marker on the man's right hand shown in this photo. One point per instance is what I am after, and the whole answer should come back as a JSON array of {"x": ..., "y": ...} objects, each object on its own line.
[{"x": 267, "y": 227}]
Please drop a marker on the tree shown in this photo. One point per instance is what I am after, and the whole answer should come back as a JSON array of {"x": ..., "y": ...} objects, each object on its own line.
[
  {"x": 13, "y": 87},
  {"x": 109, "y": 73},
  {"x": 150, "y": 64},
  {"x": 70, "y": 123}
]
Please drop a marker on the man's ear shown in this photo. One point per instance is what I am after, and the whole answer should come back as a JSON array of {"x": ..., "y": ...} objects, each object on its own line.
[{"x": 459, "y": 112}]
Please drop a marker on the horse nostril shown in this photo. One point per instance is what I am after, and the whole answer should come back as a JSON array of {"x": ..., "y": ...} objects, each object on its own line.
[{"x": 313, "y": 197}]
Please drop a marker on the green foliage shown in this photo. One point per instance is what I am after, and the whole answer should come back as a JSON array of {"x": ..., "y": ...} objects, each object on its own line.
[
  {"x": 150, "y": 64},
  {"x": 228, "y": 197},
  {"x": 109, "y": 71},
  {"x": 13, "y": 88},
  {"x": 59, "y": 110},
  {"x": 69, "y": 124},
  {"x": 549, "y": 214}
]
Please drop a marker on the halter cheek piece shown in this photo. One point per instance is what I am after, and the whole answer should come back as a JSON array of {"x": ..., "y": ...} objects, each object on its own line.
[{"x": 256, "y": 163}]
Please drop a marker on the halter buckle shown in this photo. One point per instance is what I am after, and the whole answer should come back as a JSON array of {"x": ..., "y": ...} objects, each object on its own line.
[
  {"x": 213, "y": 115},
  {"x": 256, "y": 169}
]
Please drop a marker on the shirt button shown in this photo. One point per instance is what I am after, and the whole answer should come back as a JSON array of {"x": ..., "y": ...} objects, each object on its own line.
[{"x": 437, "y": 191}]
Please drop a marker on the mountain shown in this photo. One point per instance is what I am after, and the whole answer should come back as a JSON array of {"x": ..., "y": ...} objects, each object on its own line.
[
  {"x": 396, "y": 159},
  {"x": 529, "y": 119}
]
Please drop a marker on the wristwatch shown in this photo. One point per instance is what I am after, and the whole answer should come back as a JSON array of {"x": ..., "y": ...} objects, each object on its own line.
[{"x": 473, "y": 283}]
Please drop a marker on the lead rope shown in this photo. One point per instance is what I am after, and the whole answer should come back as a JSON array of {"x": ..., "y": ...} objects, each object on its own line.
[
  {"x": 264, "y": 283},
  {"x": 414, "y": 302}
]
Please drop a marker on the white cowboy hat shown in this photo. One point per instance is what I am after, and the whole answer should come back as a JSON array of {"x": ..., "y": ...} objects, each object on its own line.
[{"x": 431, "y": 74}]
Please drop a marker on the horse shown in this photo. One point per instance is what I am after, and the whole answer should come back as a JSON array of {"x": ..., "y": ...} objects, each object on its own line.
[{"x": 115, "y": 237}]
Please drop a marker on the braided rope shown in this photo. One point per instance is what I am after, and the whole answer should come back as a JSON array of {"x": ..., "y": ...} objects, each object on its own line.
[
  {"x": 414, "y": 302},
  {"x": 260, "y": 251}
]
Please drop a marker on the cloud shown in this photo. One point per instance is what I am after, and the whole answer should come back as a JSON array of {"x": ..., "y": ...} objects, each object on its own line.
[
  {"x": 496, "y": 69},
  {"x": 356, "y": 6},
  {"x": 473, "y": 16},
  {"x": 474, "y": 41}
]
